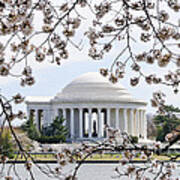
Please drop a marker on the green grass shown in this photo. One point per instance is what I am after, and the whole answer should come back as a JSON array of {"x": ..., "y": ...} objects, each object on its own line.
[
  {"x": 49, "y": 157},
  {"x": 105, "y": 157},
  {"x": 116, "y": 157},
  {"x": 94, "y": 157}
]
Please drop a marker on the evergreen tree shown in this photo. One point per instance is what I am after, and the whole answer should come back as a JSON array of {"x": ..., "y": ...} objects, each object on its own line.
[
  {"x": 30, "y": 127},
  {"x": 56, "y": 129},
  {"x": 54, "y": 133},
  {"x": 166, "y": 123},
  {"x": 6, "y": 145}
]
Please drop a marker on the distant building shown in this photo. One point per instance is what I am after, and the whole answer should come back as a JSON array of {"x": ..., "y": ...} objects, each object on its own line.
[
  {"x": 177, "y": 114},
  {"x": 88, "y": 103}
]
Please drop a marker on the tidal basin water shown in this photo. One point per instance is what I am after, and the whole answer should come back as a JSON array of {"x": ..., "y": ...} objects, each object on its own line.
[{"x": 86, "y": 172}]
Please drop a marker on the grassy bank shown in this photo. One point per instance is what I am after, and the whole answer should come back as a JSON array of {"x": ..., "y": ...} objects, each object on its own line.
[{"x": 95, "y": 157}]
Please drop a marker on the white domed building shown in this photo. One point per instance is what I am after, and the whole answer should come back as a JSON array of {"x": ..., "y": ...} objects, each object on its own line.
[{"x": 89, "y": 103}]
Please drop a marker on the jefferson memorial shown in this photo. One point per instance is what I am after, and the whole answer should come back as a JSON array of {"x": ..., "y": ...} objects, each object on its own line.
[{"x": 89, "y": 103}]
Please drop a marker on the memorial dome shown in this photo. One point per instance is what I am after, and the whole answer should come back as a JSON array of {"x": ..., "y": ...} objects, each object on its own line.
[
  {"x": 88, "y": 104},
  {"x": 93, "y": 87}
]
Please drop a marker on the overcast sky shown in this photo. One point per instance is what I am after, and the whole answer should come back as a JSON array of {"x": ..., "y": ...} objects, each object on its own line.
[{"x": 50, "y": 79}]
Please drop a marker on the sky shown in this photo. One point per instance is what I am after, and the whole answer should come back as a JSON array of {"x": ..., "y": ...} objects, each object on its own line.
[{"x": 50, "y": 78}]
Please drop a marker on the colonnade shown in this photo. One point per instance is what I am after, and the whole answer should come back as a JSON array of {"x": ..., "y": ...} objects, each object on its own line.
[
  {"x": 90, "y": 122},
  {"x": 40, "y": 116}
]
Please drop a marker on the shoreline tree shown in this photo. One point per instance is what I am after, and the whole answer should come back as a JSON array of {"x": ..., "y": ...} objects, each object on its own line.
[
  {"x": 6, "y": 145},
  {"x": 166, "y": 123},
  {"x": 30, "y": 127},
  {"x": 56, "y": 132},
  {"x": 143, "y": 34}
]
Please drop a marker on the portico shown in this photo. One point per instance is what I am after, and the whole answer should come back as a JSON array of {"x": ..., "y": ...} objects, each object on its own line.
[{"x": 88, "y": 104}]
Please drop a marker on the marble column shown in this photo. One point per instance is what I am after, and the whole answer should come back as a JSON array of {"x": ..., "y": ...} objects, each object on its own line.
[
  {"x": 117, "y": 119},
  {"x": 108, "y": 111},
  {"x": 64, "y": 116},
  {"x": 72, "y": 123},
  {"x": 137, "y": 123},
  {"x": 56, "y": 113},
  {"x": 125, "y": 120},
  {"x": 90, "y": 123},
  {"x": 100, "y": 124},
  {"x": 145, "y": 124},
  {"x": 132, "y": 121},
  {"x": 36, "y": 119},
  {"x": 80, "y": 123},
  {"x": 142, "y": 124},
  {"x": 28, "y": 113},
  {"x": 45, "y": 117},
  {"x": 50, "y": 115}
]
